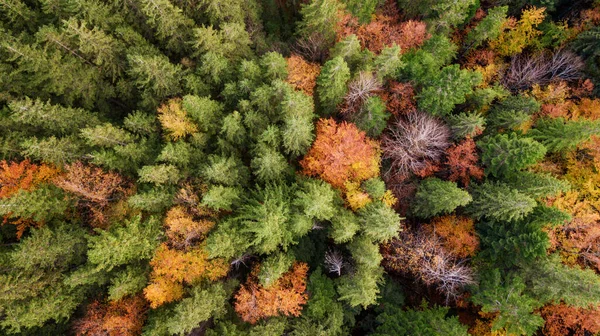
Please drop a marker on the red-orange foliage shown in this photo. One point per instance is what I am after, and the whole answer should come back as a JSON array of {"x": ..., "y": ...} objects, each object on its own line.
[
  {"x": 340, "y": 153},
  {"x": 457, "y": 234},
  {"x": 95, "y": 187},
  {"x": 285, "y": 297},
  {"x": 124, "y": 317},
  {"x": 461, "y": 161},
  {"x": 479, "y": 57},
  {"x": 171, "y": 268},
  {"x": 15, "y": 176},
  {"x": 385, "y": 30},
  {"x": 400, "y": 98},
  {"x": 302, "y": 75},
  {"x": 24, "y": 175},
  {"x": 564, "y": 320}
]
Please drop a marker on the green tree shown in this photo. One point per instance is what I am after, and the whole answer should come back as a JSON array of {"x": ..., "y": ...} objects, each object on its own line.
[
  {"x": 487, "y": 29},
  {"x": 331, "y": 84},
  {"x": 560, "y": 135},
  {"x": 536, "y": 185},
  {"x": 273, "y": 267},
  {"x": 171, "y": 26},
  {"x": 155, "y": 76},
  {"x": 436, "y": 197},
  {"x": 53, "y": 150},
  {"x": 466, "y": 124},
  {"x": 506, "y": 153},
  {"x": 446, "y": 89},
  {"x": 379, "y": 222},
  {"x": 388, "y": 63},
  {"x": 363, "y": 10},
  {"x": 360, "y": 288},
  {"x": 124, "y": 244},
  {"x": 221, "y": 198},
  {"x": 344, "y": 225},
  {"x": 319, "y": 17},
  {"x": 506, "y": 296},
  {"x": 159, "y": 174},
  {"x": 497, "y": 201},
  {"x": 350, "y": 50},
  {"x": 318, "y": 199},
  {"x": 42, "y": 204},
  {"x": 426, "y": 321},
  {"x": 128, "y": 281}
]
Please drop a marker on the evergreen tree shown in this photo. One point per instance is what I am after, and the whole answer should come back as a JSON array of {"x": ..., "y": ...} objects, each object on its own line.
[
  {"x": 487, "y": 29},
  {"x": 318, "y": 199},
  {"x": 331, "y": 84},
  {"x": 506, "y": 153},
  {"x": 435, "y": 197},
  {"x": 435, "y": 321},
  {"x": 319, "y": 17},
  {"x": 446, "y": 89},
  {"x": 536, "y": 185},
  {"x": 560, "y": 135},
  {"x": 497, "y": 201},
  {"x": 344, "y": 225},
  {"x": 379, "y": 222},
  {"x": 388, "y": 63},
  {"x": 466, "y": 124}
]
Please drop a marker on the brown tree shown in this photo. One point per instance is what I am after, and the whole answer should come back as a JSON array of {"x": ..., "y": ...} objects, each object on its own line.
[
  {"x": 457, "y": 234},
  {"x": 302, "y": 75},
  {"x": 461, "y": 162},
  {"x": 286, "y": 296},
  {"x": 124, "y": 317},
  {"x": 565, "y": 320}
]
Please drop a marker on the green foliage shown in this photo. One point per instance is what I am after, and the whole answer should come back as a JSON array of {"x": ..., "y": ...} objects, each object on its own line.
[
  {"x": 221, "y": 198},
  {"x": 318, "y": 199},
  {"x": 487, "y": 29},
  {"x": 128, "y": 281},
  {"x": 388, "y": 63},
  {"x": 203, "y": 304},
  {"x": 228, "y": 171},
  {"x": 331, "y": 84},
  {"x": 466, "y": 124},
  {"x": 159, "y": 174},
  {"x": 446, "y": 89},
  {"x": 344, "y": 226},
  {"x": 503, "y": 154},
  {"x": 436, "y": 197},
  {"x": 536, "y": 185},
  {"x": 135, "y": 240},
  {"x": 379, "y": 222},
  {"x": 360, "y": 288},
  {"x": 506, "y": 297},
  {"x": 497, "y": 201},
  {"x": 560, "y": 135},
  {"x": 273, "y": 267},
  {"x": 363, "y": 10},
  {"x": 512, "y": 112},
  {"x": 350, "y": 50},
  {"x": 443, "y": 15},
  {"x": 373, "y": 117},
  {"x": 41, "y": 205},
  {"x": 427, "y": 321},
  {"x": 57, "y": 151},
  {"x": 319, "y": 17},
  {"x": 375, "y": 187}
]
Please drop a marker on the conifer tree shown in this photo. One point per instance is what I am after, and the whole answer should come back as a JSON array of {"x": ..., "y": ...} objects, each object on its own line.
[
  {"x": 488, "y": 29},
  {"x": 319, "y": 17},
  {"x": 506, "y": 153},
  {"x": 560, "y": 135},
  {"x": 331, "y": 84},
  {"x": 435, "y": 197},
  {"x": 497, "y": 201},
  {"x": 446, "y": 89}
]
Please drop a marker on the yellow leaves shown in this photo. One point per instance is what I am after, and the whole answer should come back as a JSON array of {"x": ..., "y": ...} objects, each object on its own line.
[
  {"x": 356, "y": 198},
  {"x": 302, "y": 75},
  {"x": 518, "y": 35},
  {"x": 171, "y": 268},
  {"x": 174, "y": 120},
  {"x": 182, "y": 229},
  {"x": 551, "y": 94}
]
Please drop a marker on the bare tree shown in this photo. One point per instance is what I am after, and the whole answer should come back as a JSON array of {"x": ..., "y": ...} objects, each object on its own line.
[
  {"x": 414, "y": 143},
  {"x": 543, "y": 68},
  {"x": 241, "y": 260},
  {"x": 359, "y": 90},
  {"x": 334, "y": 262},
  {"x": 314, "y": 48},
  {"x": 422, "y": 256}
]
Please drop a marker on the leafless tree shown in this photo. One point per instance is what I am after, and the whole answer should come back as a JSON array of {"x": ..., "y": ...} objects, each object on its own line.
[
  {"x": 241, "y": 260},
  {"x": 543, "y": 68},
  {"x": 359, "y": 90},
  {"x": 334, "y": 262},
  {"x": 414, "y": 143},
  {"x": 313, "y": 48},
  {"x": 422, "y": 256}
]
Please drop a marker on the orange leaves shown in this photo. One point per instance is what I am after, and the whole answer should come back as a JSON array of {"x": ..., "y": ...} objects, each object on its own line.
[
  {"x": 400, "y": 98},
  {"x": 383, "y": 31},
  {"x": 565, "y": 320},
  {"x": 302, "y": 75},
  {"x": 15, "y": 176},
  {"x": 182, "y": 229},
  {"x": 117, "y": 318},
  {"x": 457, "y": 234},
  {"x": 171, "y": 268},
  {"x": 340, "y": 153},
  {"x": 174, "y": 120},
  {"x": 461, "y": 161},
  {"x": 285, "y": 297},
  {"x": 95, "y": 187}
]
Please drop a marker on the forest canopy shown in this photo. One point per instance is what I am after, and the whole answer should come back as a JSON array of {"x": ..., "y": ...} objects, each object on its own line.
[{"x": 303, "y": 168}]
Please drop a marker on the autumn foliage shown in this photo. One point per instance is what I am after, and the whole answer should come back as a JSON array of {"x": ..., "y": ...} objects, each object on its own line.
[
  {"x": 341, "y": 152},
  {"x": 385, "y": 30},
  {"x": 461, "y": 162},
  {"x": 457, "y": 234},
  {"x": 183, "y": 230},
  {"x": 562, "y": 319},
  {"x": 175, "y": 121},
  {"x": 302, "y": 75},
  {"x": 95, "y": 188},
  {"x": 286, "y": 296},
  {"x": 400, "y": 98},
  {"x": 171, "y": 268},
  {"x": 124, "y": 317}
]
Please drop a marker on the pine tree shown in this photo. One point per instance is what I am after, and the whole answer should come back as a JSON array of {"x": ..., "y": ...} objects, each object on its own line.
[
  {"x": 426, "y": 321},
  {"x": 331, "y": 84},
  {"x": 171, "y": 26},
  {"x": 559, "y": 135},
  {"x": 159, "y": 174},
  {"x": 497, "y": 201},
  {"x": 435, "y": 197},
  {"x": 350, "y": 50},
  {"x": 536, "y": 185},
  {"x": 273, "y": 267},
  {"x": 487, "y": 29},
  {"x": 344, "y": 225},
  {"x": 155, "y": 76},
  {"x": 128, "y": 282},
  {"x": 446, "y": 89},
  {"x": 221, "y": 198},
  {"x": 318, "y": 199},
  {"x": 466, "y": 124},
  {"x": 379, "y": 222},
  {"x": 319, "y": 17},
  {"x": 388, "y": 63},
  {"x": 506, "y": 153}
]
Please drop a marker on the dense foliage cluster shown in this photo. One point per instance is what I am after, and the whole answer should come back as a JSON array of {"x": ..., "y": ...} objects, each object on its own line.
[{"x": 315, "y": 167}]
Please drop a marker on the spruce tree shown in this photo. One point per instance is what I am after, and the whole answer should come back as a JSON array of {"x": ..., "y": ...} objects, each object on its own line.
[
  {"x": 506, "y": 153},
  {"x": 435, "y": 197},
  {"x": 331, "y": 84},
  {"x": 497, "y": 201},
  {"x": 560, "y": 135}
]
